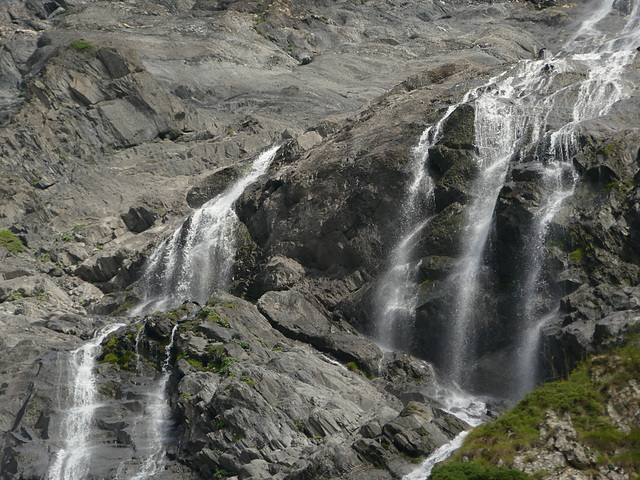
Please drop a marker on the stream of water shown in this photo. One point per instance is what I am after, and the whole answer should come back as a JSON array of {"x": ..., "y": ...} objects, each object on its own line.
[
  {"x": 73, "y": 461},
  {"x": 152, "y": 436},
  {"x": 514, "y": 117},
  {"x": 197, "y": 258}
]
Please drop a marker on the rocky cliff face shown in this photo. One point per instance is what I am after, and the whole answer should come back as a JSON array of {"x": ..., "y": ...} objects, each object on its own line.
[{"x": 119, "y": 118}]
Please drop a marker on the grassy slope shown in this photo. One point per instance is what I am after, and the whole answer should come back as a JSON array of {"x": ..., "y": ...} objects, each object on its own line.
[{"x": 584, "y": 396}]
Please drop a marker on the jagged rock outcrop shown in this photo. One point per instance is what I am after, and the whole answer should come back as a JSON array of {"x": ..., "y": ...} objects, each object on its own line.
[
  {"x": 121, "y": 117},
  {"x": 246, "y": 399}
]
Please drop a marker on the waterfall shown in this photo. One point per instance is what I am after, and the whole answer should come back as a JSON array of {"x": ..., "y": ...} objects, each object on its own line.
[
  {"x": 396, "y": 293},
  {"x": 596, "y": 95},
  {"x": 73, "y": 461},
  {"x": 440, "y": 455},
  {"x": 153, "y": 440},
  {"x": 198, "y": 257},
  {"x": 513, "y": 116},
  {"x": 195, "y": 260}
]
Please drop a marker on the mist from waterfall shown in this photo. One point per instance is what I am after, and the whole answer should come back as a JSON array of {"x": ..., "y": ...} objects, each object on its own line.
[{"x": 197, "y": 258}]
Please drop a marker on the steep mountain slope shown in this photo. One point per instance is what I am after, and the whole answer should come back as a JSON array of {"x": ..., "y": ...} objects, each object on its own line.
[{"x": 120, "y": 118}]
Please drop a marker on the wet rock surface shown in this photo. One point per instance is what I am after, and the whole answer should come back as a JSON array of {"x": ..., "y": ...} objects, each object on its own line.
[
  {"x": 245, "y": 399},
  {"x": 119, "y": 118}
]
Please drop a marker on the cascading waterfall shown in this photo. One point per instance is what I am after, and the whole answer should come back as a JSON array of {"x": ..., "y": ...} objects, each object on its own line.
[
  {"x": 396, "y": 293},
  {"x": 396, "y": 290},
  {"x": 151, "y": 443},
  {"x": 596, "y": 95},
  {"x": 198, "y": 257},
  {"x": 512, "y": 117},
  {"x": 188, "y": 266},
  {"x": 73, "y": 461}
]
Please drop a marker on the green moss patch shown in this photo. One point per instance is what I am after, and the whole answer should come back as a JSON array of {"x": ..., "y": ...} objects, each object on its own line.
[
  {"x": 217, "y": 360},
  {"x": 83, "y": 46},
  {"x": 208, "y": 315},
  {"x": 12, "y": 243}
]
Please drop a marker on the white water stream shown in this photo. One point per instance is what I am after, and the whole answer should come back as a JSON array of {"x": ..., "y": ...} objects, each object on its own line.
[
  {"x": 512, "y": 116},
  {"x": 440, "y": 455},
  {"x": 151, "y": 435},
  {"x": 396, "y": 295},
  {"x": 73, "y": 461},
  {"x": 197, "y": 258}
]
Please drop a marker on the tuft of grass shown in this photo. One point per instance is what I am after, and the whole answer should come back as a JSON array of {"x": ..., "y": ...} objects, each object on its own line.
[
  {"x": 83, "y": 46},
  {"x": 475, "y": 471},
  {"x": 210, "y": 316},
  {"x": 12, "y": 243},
  {"x": 242, "y": 343}
]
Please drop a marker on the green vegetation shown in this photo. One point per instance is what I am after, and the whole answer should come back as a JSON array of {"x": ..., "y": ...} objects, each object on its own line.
[
  {"x": 209, "y": 315},
  {"x": 83, "y": 46},
  {"x": 246, "y": 379},
  {"x": 221, "y": 473},
  {"x": 583, "y": 397},
  {"x": 125, "y": 361},
  {"x": 12, "y": 243},
  {"x": 576, "y": 255},
  {"x": 611, "y": 149},
  {"x": 216, "y": 360},
  {"x": 619, "y": 186},
  {"x": 217, "y": 302},
  {"x": 114, "y": 353},
  {"x": 242, "y": 343},
  {"x": 475, "y": 471},
  {"x": 261, "y": 11},
  {"x": 353, "y": 366}
]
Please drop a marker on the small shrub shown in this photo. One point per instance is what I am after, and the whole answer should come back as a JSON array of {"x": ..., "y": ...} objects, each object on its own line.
[
  {"x": 110, "y": 358},
  {"x": 221, "y": 473},
  {"x": 12, "y": 243},
  {"x": 242, "y": 343},
  {"x": 83, "y": 46},
  {"x": 354, "y": 367},
  {"x": 576, "y": 255}
]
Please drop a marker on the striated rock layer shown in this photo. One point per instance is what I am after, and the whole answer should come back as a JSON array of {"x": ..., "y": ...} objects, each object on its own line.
[{"x": 119, "y": 118}]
